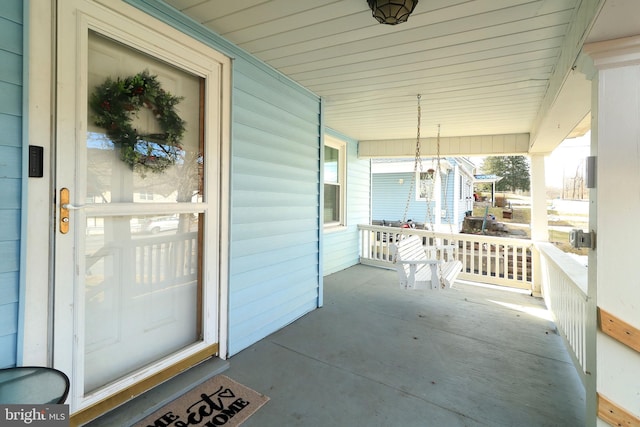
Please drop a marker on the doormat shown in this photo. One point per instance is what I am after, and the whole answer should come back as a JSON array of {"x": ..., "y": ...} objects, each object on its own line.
[{"x": 219, "y": 401}]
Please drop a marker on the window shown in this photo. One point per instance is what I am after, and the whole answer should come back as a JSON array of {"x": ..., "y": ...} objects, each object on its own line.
[
  {"x": 334, "y": 182},
  {"x": 145, "y": 195}
]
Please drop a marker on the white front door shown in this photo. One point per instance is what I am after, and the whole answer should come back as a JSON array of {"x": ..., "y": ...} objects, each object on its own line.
[{"x": 138, "y": 155}]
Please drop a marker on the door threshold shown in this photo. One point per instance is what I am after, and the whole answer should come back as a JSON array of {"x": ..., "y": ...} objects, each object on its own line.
[{"x": 148, "y": 402}]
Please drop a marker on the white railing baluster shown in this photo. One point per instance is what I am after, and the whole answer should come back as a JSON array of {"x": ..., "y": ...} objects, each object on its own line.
[{"x": 564, "y": 287}]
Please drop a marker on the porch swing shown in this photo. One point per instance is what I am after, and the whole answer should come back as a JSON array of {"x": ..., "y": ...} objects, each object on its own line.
[{"x": 429, "y": 266}]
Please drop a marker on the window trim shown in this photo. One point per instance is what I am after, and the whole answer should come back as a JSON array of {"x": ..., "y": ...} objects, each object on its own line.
[{"x": 341, "y": 147}]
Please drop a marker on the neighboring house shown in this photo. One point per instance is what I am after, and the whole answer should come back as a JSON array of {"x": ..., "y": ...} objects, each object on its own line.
[{"x": 438, "y": 201}]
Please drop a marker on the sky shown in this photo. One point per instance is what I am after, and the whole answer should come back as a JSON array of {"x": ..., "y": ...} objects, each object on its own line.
[{"x": 566, "y": 159}]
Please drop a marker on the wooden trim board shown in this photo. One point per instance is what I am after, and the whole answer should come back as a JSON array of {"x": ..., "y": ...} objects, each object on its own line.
[
  {"x": 87, "y": 414},
  {"x": 615, "y": 415},
  {"x": 619, "y": 330}
]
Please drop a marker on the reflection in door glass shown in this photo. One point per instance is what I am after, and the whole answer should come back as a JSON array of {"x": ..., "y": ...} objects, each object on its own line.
[
  {"x": 139, "y": 273},
  {"x": 141, "y": 292},
  {"x": 146, "y": 110}
]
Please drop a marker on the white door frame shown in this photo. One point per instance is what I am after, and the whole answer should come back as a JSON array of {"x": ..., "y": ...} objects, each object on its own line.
[
  {"x": 121, "y": 22},
  {"x": 36, "y": 346}
]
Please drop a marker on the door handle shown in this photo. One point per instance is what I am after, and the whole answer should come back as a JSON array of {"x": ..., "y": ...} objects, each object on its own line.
[{"x": 70, "y": 207}]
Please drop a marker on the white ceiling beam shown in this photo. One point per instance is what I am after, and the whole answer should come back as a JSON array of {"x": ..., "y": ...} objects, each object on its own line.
[{"x": 481, "y": 145}]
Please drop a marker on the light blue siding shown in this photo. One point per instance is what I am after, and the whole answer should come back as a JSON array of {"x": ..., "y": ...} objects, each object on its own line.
[
  {"x": 11, "y": 93},
  {"x": 11, "y": 28},
  {"x": 340, "y": 248},
  {"x": 10, "y": 67},
  {"x": 10, "y": 162},
  {"x": 11, "y": 10},
  {"x": 274, "y": 275},
  {"x": 9, "y": 347},
  {"x": 11, "y": 130},
  {"x": 390, "y": 192},
  {"x": 389, "y": 199}
]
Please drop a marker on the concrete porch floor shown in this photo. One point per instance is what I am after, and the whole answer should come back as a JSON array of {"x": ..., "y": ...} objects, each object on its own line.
[{"x": 376, "y": 355}]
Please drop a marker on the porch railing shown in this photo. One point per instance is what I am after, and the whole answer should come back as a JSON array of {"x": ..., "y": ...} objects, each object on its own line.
[
  {"x": 159, "y": 261},
  {"x": 485, "y": 259},
  {"x": 564, "y": 288}
]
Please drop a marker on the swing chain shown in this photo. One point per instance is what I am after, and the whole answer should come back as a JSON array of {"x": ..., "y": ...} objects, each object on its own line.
[
  {"x": 438, "y": 173},
  {"x": 417, "y": 175},
  {"x": 417, "y": 166}
]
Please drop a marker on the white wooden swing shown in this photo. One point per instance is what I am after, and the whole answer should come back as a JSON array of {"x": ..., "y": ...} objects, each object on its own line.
[{"x": 418, "y": 265}]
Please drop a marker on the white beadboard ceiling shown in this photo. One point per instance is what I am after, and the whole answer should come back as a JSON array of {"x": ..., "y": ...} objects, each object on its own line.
[{"x": 482, "y": 67}]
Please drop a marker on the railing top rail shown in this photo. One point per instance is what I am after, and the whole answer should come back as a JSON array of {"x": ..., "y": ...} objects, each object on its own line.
[
  {"x": 576, "y": 272},
  {"x": 443, "y": 235}
]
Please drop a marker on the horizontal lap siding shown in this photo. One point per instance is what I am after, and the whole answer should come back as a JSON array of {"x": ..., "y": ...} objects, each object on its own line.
[
  {"x": 341, "y": 248},
  {"x": 389, "y": 198},
  {"x": 274, "y": 277},
  {"x": 10, "y": 175}
]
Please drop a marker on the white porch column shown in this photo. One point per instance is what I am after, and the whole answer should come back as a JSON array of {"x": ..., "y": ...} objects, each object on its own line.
[
  {"x": 616, "y": 141},
  {"x": 539, "y": 221}
]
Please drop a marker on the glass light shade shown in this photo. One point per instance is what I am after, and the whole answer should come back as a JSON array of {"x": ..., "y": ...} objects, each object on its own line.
[{"x": 392, "y": 12}]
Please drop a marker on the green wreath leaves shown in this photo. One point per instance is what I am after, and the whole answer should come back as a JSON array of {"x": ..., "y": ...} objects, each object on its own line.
[{"x": 116, "y": 103}]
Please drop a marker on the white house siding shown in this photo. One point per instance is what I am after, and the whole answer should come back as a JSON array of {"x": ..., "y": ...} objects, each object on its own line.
[
  {"x": 340, "y": 247},
  {"x": 463, "y": 196},
  {"x": 11, "y": 177},
  {"x": 456, "y": 201},
  {"x": 449, "y": 197},
  {"x": 614, "y": 217},
  {"x": 274, "y": 274}
]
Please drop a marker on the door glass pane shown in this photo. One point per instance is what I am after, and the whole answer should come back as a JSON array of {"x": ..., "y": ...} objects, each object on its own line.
[
  {"x": 141, "y": 292},
  {"x": 143, "y": 142},
  {"x": 140, "y": 278}
]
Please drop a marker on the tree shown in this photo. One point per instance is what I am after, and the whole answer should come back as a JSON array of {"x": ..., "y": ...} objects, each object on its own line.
[{"x": 514, "y": 171}]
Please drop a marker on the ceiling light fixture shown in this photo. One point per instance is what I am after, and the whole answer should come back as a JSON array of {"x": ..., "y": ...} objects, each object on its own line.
[{"x": 392, "y": 12}]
